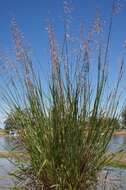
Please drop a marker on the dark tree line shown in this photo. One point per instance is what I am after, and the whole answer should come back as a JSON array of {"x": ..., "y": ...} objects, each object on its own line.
[
  {"x": 12, "y": 121},
  {"x": 124, "y": 118}
]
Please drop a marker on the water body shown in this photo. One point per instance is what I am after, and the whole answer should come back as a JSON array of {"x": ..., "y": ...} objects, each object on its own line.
[
  {"x": 117, "y": 143},
  {"x": 115, "y": 181},
  {"x": 114, "y": 178},
  {"x": 6, "y": 166}
]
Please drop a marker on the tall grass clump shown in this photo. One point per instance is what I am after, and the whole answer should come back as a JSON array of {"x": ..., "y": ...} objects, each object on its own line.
[{"x": 64, "y": 129}]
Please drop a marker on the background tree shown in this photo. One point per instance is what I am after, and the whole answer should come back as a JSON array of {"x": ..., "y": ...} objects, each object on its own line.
[
  {"x": 124, "y": 118},
  {"x": 12, "y": 121}
]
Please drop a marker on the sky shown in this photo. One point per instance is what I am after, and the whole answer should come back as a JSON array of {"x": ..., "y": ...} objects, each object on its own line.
[{"x": 32, "y": 16}]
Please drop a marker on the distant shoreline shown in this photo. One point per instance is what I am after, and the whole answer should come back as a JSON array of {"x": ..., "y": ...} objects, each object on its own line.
[
  {"x": 3, "y": 132},
  {"x": 121, "y": 132},
  {"x": 4, "y": 135}
]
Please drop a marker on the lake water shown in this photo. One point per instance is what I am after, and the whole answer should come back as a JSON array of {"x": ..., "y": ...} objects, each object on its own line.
[
  {"x": 6, "y": 166},
  {"x": 115, "y": 181},
  {"x": 114, "y": 178}
]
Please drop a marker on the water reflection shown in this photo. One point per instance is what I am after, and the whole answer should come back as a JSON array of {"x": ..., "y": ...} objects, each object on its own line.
[
  {"x": 6, "y": 181},
  {"x": 6, "y": 144},
  {"x": 112, "y": 179},
  {"x": 118, "y": 142}
]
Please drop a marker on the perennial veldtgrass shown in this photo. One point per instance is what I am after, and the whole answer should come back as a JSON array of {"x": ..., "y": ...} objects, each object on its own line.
[{"x": 64, "y": 129}]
